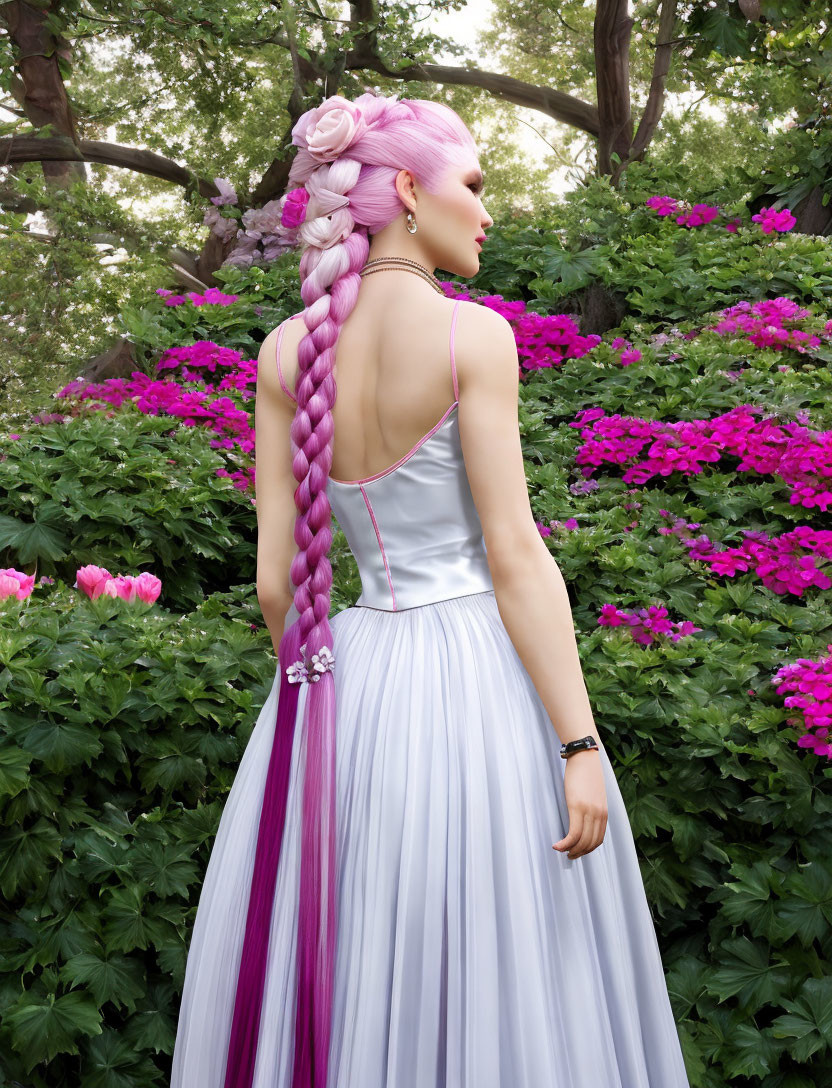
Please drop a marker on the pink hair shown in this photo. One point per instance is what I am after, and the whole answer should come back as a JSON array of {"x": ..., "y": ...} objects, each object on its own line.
[{"x": 350, "y": 197}]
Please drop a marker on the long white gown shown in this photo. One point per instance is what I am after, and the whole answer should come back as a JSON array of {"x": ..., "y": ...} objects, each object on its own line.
[{"x": 470, "y": 954}]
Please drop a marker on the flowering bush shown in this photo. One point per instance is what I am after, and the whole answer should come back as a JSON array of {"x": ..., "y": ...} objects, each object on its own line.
[
  {"x": 646, "y": 625},
  {"x": 793, "y": 453},
  {"x": 785, "y": 564},
  {"x": 697, "y": 215},
  {"x": 812, "y": 681},
  {"x": 678, "y": 470},
  {"x": 769, "y": 323}
]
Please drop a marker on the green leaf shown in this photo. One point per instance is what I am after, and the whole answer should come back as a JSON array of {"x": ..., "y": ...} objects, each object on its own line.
[
  {"x": 744, "y": 971},
  {"x": 14, "y": 770},
  {"x": 114, "y": 978},
  {"x": 63, "y": 745},
  {"x": 43, "y": 1027},
  {"x": 809, "y": 1020}
]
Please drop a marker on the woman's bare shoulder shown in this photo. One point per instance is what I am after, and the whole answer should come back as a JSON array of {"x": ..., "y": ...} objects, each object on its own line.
[{"x": 484, "y": 343}]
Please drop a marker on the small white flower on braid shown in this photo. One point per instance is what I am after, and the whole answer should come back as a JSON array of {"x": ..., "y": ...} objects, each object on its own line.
[{"x": 298, "y": 673}]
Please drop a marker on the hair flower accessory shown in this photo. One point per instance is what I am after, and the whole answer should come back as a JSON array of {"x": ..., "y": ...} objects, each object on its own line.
[
  {"x": 298, "y": 673},
  {"x": 294, "y": 207},
  {"x": 328, "y": 130},
  {"x": 321, "y": 661}
]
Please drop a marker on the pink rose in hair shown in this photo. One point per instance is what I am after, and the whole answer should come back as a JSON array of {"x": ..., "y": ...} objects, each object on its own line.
[
  {"x": 329, "y": 129},
  {"x": 294, "y": 207}
]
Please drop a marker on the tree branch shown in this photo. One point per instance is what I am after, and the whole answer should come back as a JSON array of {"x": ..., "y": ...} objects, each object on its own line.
[
  {"x": 558, "y": 105},
  {"x": 15, "y": 149},
  {"x": 654, "y": 106}
]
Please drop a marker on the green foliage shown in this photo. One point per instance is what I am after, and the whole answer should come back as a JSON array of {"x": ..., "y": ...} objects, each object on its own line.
[
  {"x": 126, "y": 491},
  {"x": 122, "y": 729},
  {"x": 660, "y": 270},
  {"x": 122, "y": 725},
  {"x": 266, "y": 297}
]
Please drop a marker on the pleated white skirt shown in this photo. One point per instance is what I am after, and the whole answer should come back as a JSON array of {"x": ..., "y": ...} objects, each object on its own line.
[{"x": 470, "y": 954}]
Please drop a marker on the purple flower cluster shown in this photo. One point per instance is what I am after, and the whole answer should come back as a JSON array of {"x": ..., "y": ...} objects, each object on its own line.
[
  {"x": 785, "y": 563},
  {"x": 198, "y": 362},
  {"x": 800, "y": 457},
  {"x": 543, "y": 340},
  {"x": 769, "y": 323},
  {"x": 546, "y": 530},
  {"x": 629, "y": 354},
  {"x": 212, "y": 296},
  {"x": 647, "y": 625},
  {"x": 697, "y": 215},
  {"x": 812, "y": 683}
]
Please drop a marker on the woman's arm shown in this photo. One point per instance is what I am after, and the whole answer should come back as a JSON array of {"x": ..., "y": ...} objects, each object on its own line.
[
  {"x": 275, "y": 485},
  {"x": 529, "y": 588}
]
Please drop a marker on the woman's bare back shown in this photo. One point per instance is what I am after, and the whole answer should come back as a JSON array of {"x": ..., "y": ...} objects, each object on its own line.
[{"x": 393, "y": 376}]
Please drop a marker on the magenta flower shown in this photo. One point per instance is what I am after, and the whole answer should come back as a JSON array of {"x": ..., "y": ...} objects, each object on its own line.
[
  {"x": 647, "y": 625},
  {"x": 294, "y": 208},
  {"x": 770, "y": 220},
  {"x": 802, "y": 458},
  {"x": 811, "y": 681},
  {"x": 698, "y": 215},
  {"x": 662, "y": 205}
]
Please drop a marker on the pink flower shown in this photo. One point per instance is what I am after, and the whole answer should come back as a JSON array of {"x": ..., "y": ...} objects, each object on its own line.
[
  {"x": 770, "y": 220},
  {"x": 147, "y": 586},
  {"x": 124, "y": 587},
  {"x": 294, "y": 207},
  {"x": 226, "y": 191},
  {"x": 15, "y": 583},
  {"x": 328, "y": 130},
  {"x": 92, "y": 579},
  {"x": 698, "y": 215},
  {"x": 662, "y": 205}
]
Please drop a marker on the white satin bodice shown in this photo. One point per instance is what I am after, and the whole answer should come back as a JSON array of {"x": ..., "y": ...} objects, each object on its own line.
[{"x": 413, "y": 529}]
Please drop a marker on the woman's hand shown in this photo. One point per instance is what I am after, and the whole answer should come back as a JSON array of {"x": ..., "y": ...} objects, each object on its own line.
[{"x": 586, "y": 799}]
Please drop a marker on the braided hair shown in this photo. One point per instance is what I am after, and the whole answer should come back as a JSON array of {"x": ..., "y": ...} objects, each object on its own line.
[{"x": 350, "y": 153}]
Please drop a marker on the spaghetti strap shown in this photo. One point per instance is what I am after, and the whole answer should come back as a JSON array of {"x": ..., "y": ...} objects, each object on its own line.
[
  {"x": 280, "y": 331},
  {"x": 453, "y": 360}
]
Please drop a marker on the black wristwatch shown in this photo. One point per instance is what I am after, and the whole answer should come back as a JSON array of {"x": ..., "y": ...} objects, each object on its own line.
[{"x": 566, "y": 750}]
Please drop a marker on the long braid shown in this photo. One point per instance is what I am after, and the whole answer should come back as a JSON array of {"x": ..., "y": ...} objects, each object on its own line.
[
  {"x": 311, "y": 572},
  {"x": 346, "y": 197}
]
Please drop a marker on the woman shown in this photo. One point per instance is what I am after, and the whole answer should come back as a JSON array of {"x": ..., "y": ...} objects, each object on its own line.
[{"x": 410, "y": 887}]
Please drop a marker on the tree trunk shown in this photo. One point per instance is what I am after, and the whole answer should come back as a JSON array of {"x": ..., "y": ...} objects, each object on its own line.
[
  {"x": 40, "y": 87},
  {"x": 611, "y": 34}
]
